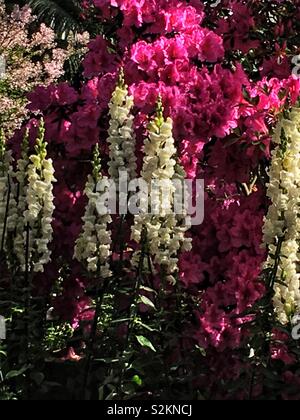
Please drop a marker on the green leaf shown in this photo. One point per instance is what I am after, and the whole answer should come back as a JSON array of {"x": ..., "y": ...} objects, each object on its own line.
[
  {"x": 15, "y": 373},
  {"x": 120, "y": 321},
  {"x": 202, "y": 351},
  {"x": 148, "y": 289},
  {"x": 144, "y": 342},
  {"x": 137, "y": 380},
  {"x": 146, "y": 301},
  {"x": 147, "y": 327},
  {"x": 108, "y": 360}
]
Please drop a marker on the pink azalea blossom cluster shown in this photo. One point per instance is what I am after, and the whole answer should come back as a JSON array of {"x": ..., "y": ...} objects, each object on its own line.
[
  {"x": 251, "y": 28},
  {"x": 222, "y": 120}
]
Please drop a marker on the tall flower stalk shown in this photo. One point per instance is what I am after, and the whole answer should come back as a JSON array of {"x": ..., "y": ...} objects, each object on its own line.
[
  {"x": 26, "y": 235},
  {"x": 282, "y": 224},
  {"x": 93, "y": 247},
  {"x": 93, "y": 250},
  {"x": 165, "y": 231},
  {"x": 121, "y": 134},
  {"x": 122, "y": 145},
  {"x": 35, "y": 207}
]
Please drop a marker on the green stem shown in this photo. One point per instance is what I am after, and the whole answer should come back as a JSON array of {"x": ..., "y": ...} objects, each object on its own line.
[
  {"x": 133, "y": 306},
  {"x": 27, "y": 307},
  {"x": 6, "y": 216},
  {"x": 276, "y": 263},
  {"x": 92, "y": 340}
]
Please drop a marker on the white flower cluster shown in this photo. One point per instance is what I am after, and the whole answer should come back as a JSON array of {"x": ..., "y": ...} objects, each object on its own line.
[
  {"x": 282, "y": 224},
  {"x": 165, "y": 231},
  {"x": 34, "y": 232},
  {"x": 121, "y": 134},
  {"x": 93, "y": 247},
  {"x": 7, "y": 193},
  {"x": 40, "y": 208},
  {"x": 22, "y": 179}
]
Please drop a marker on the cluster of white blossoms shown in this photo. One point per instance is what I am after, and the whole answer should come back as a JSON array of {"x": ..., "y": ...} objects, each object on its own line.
[
  {"x": 93, "y": 247},
  {"x": 7, "y": 193},
  {"x": 121, "y": 133},
  {"x": 282, "y": 224},
  {"x": 35, "y": 207},
  {"x": 22, "y": 179},
  {"x": 164, "y": 230},
  {"x": 26, "y": 205}
]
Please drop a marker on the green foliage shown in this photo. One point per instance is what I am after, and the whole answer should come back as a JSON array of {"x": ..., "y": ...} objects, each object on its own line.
[
  {"x": 62, "y": 16},
  {"x": 57, "y": 337}
]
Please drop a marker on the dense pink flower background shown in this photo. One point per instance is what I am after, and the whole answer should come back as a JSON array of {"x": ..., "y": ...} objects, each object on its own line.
[{"x": 222, "y": 120}]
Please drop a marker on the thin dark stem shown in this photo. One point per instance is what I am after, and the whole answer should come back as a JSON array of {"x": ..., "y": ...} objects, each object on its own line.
[
  {"x": 252, "y": 381},
  {"x": 92, "y": 340},
  {"x": 136, "y": 295},
  {"x": 120, "y": 238},
  {"x": 27, "y": 306},
  {"x": 122, "y": 242},
  {"x": 276, "y": 263},
  {"x": 6, "y": 216},
  {"x": 160, "y": 307},
  {"x": 133, "y": 306}
]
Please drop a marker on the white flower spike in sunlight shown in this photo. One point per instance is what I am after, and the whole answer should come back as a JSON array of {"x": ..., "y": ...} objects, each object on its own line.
[{"x": 282, "y": 224}]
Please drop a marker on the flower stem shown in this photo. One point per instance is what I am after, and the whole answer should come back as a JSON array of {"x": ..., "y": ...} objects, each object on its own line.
[{"x": 6, "y": 216}]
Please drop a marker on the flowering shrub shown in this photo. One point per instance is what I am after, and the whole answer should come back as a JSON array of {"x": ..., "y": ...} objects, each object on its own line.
[
  {"x": 224, "y": 76},
  {"x": 29, "y": 57}
]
